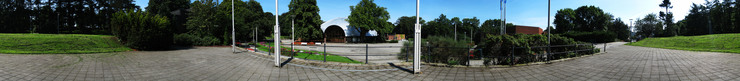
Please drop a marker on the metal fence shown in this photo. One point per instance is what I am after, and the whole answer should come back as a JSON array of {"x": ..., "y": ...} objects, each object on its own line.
[
  {"x": 506, "y": 56},
  {"x": 447, "y": 55}
]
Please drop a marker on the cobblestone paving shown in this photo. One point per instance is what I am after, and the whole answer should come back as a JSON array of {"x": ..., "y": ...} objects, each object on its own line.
[{"x": 622, "y": 63}]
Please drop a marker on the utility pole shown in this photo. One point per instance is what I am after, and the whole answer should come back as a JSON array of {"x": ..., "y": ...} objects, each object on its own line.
[
  {"x": 255, "y": 35},
  {"x": 503, "y": 17},
  {"x": 630, "y": 30},
  {"x": 233, "y": 38},
  {"x": 276, "y": 37},
  {"x": 455, "y": 31},
  {"x": 292, "y": 29},
  {"x": 417, "y": 42}
]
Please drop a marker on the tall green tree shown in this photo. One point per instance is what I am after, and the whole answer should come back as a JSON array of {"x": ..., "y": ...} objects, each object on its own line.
[
  {"x": 307, "y": 19},
  {"x": 491, "y": 26},
  {"x": 257, "y": 19},
  {"x": 564, "y": 20},
  {"x": 721, "y": 13},
  {"x": 648, "y": 26},
  {"x": 667, "y": 18},
  {"x": 470, "y": 25},
  {"x": 440, "y": 26},
  {"x": 591, "y": 18},
  {"x": 203, "y": 22},
  {"x": 175, "y": 10},
  {"x": 621, "y": 29},
  {"x": 405, "y": 25},
  {"x": 15, "y": 16},
  {"x": 241, "y": 16},
  {"x": 366, "y": 16}
]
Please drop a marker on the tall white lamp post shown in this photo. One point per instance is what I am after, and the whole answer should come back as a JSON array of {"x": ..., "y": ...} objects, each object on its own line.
[
  {"x": 276, "y": 37},
  {"x": 233, "y": 38},
  {"x": 417, "y": 41}
]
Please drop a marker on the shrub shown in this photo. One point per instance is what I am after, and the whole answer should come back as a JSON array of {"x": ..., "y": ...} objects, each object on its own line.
[
  {"x": 499, "y": 48},
  {"x": 440, "y": 50},
  {"x": 140, "y": 30},
  {"x": 595, "y": 37}
]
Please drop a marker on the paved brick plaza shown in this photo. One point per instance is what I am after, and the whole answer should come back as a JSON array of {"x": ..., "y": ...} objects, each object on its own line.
[{"x": 215, "y": 63}]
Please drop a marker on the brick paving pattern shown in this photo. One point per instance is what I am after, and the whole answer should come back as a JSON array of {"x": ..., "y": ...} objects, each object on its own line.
[{"x": 622, "y": 63}]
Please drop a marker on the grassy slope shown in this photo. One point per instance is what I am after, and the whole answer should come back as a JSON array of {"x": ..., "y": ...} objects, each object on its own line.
[
  {"x": 714, "y": 43},
  {"x": 316, "y": 56},
  {"x": 58, "y": 43}
]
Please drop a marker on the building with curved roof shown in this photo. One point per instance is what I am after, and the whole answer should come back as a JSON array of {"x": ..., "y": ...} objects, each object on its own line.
[{"x": 338, "y": 30}]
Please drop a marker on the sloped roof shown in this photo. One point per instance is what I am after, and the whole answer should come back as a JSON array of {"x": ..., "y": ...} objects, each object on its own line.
[{"x": 348, "y": 30}]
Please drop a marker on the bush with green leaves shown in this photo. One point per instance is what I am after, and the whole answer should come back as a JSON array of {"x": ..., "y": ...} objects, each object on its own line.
[
  {"x": 140, "y": 30},
  {"x": 595, "y": 37},
  {"x": 498, "y": 49},
  {"x": 439, "y": 49}
]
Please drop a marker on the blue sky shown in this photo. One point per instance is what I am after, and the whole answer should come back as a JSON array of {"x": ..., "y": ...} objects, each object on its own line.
[{"x": 519, "y": 12}]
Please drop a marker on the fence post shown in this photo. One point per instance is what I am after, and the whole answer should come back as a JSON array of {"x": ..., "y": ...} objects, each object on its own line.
[
  {"x": 429, "y": 53},
  {"x": 270, "y": 47},
  {"x": 324, "y": 51},
  {"x": 366, "y": 53},
  {"x": 407, "y": 54},
  {"x": 605, "y": 47},
  {"x": 594, "y": 47},
  {"x": 467, "y": 56},
  {"x": 511, "y": 56},
  {"x": 547, "y": 55},
  {"x": 292, "y": 50}
]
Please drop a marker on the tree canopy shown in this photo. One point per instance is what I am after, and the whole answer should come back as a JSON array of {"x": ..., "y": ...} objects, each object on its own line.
[
  {"x": 307, "y": 19},
  {"x": 175, "y": 10},
  {"x": 366, "y": 16},
  {"x": 648, "y": 26},
  {"x": 405, "y": 25}
]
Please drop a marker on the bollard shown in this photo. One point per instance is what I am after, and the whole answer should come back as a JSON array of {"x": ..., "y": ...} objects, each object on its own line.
[
  {"x": 366, "y": 53},
  {"x": 324, "y": 51}
]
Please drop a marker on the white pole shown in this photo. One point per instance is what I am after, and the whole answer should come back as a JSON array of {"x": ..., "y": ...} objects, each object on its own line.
[
  {"x": 504, "y": 17},
  {"x": 501, "y": 29},
  {"x": 255, "y": 35},
  {"x": 276, "y": 37},
  {"x": 233, "y": 38},
  {"x": 417, "y": 41}
]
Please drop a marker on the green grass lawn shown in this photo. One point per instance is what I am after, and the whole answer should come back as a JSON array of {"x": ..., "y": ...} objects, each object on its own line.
[
  {"x": 58, "y": 44},
  {"x": 729, "y": 43},
  {"x": 316, "y": 56}
]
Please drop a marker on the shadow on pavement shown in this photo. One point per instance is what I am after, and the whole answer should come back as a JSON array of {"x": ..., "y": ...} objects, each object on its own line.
[
  {"x": 286, "y": 62},
  {"x": 401, "y": 68}
]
